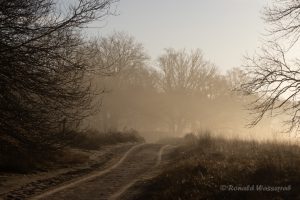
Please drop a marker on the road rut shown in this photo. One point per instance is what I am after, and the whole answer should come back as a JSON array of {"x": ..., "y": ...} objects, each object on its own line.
[{"x": 111, "y": 183}]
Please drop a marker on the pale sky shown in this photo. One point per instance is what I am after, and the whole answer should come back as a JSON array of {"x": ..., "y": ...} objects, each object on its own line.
[{"x": 224, "y": 30}]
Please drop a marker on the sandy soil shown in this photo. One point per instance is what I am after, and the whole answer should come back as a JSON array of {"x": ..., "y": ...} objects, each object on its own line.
[
  {"x": 24, "y": 186},
  {"x": 113, "y": 182}
]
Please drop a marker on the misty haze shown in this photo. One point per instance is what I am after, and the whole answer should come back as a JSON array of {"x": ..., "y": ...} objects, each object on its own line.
[{"x": 138, "y": 100}]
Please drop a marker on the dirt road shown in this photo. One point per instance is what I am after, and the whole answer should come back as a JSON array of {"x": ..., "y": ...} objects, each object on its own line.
[{"x": 114, "y": 181}]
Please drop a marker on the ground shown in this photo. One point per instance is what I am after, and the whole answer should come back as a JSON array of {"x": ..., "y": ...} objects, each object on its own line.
[{"x": 110, "y": 181}]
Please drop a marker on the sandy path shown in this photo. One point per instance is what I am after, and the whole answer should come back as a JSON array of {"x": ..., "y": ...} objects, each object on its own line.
[{"x": 112, "y": 182}]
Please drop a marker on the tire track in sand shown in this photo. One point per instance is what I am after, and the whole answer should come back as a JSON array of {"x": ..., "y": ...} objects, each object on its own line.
[
  {"x": 86, "y": 178},
  {"x": 126, "y": 187},
  {"x": 114, "y": 181}
]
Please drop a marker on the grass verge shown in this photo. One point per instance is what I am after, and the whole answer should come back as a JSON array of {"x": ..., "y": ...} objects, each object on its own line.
[
  {"x": 206, "y": 167},
  {"x": 16, "y": 157}
]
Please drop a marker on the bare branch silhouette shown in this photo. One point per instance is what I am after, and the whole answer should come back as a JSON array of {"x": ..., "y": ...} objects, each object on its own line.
[{"x": 43, "y": 66}]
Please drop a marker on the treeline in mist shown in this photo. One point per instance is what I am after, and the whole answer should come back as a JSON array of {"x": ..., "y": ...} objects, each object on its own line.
[
  {"x": 178, "y": 92},
  {"x": 52, "y": 79}
]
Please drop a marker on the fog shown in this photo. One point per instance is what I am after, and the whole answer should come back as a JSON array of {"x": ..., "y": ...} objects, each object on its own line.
[
  {"x": 167, "y": 110},
  {"x": 177, "y": 93}
]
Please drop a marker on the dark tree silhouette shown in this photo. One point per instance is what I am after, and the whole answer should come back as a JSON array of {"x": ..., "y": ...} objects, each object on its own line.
[
  {"x": 283, "y": 16},
  {"x": 272, "y": 76},
  {"x": 42, "y": 67}
]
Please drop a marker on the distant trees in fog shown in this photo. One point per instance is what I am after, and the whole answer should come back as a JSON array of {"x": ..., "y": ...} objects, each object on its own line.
[
  {"x": 51, "y": 77},
  {"x": 179, "y": 92},
  {"x": 116, "y": 53},
  {"x": 273, "y": 75},
  {"x": 186, "y": 76},
  {"x": 43, "y": 64},
  {"x": 186, "y": 72}
]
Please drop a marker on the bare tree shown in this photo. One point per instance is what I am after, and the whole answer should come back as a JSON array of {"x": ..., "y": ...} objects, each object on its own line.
[
  {"x": 125, "y": 73},
  {"x": 185, "y": 72},
  {"x": 272, "y": 76},
  {"x": 43, "y": 65},
  {"x": 283, "y": 18},
  {"x": 185, "y": 76},
  {"x": 276, "y": 83},
  {"x": 117, "y": 53}
]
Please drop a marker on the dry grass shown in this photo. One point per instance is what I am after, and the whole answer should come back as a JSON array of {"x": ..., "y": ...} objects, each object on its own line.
[
  {"x": 204, "y": 163},
  {"x": 18, "y": 158}
]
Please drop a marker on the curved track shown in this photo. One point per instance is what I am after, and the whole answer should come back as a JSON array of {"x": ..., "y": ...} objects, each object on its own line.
[{"x": 114, "y": 181}]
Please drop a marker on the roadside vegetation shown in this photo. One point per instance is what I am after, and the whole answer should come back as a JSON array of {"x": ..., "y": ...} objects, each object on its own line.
[
  {"x": 68, "y": 150},
  {"x": 46, "y": 84},
  {"x": 203, "y": 164}
]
